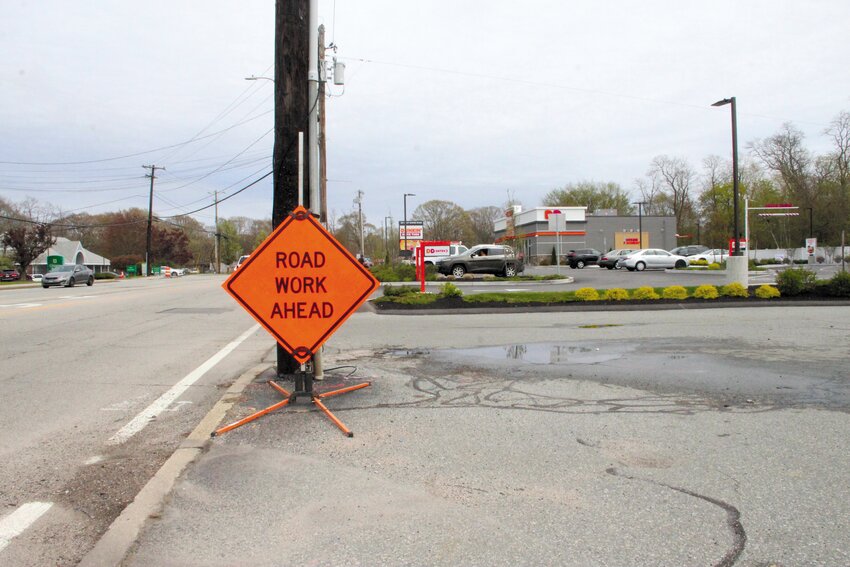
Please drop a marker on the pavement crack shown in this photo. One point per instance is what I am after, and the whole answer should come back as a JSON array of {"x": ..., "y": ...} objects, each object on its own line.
[{"x": 733, "y": 516}]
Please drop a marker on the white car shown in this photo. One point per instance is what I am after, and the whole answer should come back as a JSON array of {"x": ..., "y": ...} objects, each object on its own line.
[
  {"x": 651, "y": 258},
  {"x": 711, "y": 256}
]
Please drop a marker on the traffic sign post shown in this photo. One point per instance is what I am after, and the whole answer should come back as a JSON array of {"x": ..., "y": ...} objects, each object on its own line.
[{"x": 301, "y": 285}]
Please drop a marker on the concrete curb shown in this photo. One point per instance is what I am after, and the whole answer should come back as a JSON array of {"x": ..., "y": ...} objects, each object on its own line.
[
  {"x": 590, "y": 306},
  {"x": 468, "y": 283},
  {"x": 123, "y": 532}
]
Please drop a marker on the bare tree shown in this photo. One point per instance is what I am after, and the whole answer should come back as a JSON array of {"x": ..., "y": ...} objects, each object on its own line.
[
  {"x": 672, "y": 178},
  {"x": 784, "y": 154},
  {"x": 481, "y": 223},
  {"x": 442, "y": 220}
]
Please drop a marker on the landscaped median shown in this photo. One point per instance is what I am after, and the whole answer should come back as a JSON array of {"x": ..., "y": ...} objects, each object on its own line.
[{"x": 792, "y": 285}]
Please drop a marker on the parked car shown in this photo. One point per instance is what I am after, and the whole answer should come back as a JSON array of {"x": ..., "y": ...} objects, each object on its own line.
[
  {"x": 582, "y": 257},
  {"x": 367, "y": 262},
  {"x": 241, "y": 261},
  {"x": 483, "y": 259},
  {"x": 711, "y": 256},
  {"x": 177, "y": 272},
  {"x": 689, "y": 250},
  {"x": 609, "y": 259},
  {"x": 10, "y": 275},
  {"x": 36, "y": 277},
  {"x": 652, "y": 258},
  {"x": 69, "y": 276}
]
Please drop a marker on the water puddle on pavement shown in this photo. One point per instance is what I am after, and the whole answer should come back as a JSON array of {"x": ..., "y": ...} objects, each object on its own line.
[{"x": 550, "y": 353}]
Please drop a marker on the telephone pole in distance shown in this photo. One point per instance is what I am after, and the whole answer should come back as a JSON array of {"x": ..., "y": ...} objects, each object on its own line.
[{"x": 148, "y": 258}]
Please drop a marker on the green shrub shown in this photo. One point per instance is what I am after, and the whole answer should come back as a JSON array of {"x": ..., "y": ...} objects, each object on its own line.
[
  {"x": 398, "y": 290},
  {"x": 616, "y": 294},
  {"x": 587, "y": 294},
  {"x": 706, "y": 292},
  {"x": 674, "y": 292},
  {"x": 645, "y": 292},
  {"x": 700, "y": 262},
  {"x": 714, "y": 266},
  {"x": 734, "y": 289},
  {"x": 450, "y": 290},
  {"x": 104, "y": 276},
  {"x": 839, "y": 285},
  {"x": 795, "y": 281},
  {"x": 767, "y": 292}
]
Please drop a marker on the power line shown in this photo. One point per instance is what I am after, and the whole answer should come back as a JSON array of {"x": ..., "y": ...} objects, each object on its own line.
[{"x": 137, "y": 153}]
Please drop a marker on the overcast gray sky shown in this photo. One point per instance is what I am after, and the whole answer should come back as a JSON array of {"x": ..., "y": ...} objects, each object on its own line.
[{"x": 456, "y": 100}]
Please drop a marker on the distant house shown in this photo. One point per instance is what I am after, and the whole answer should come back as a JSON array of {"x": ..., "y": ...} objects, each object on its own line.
[{"x": 72, "y": 252}]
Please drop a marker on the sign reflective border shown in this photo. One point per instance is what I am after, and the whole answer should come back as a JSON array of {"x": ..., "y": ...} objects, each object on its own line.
[{"x": 301, "y": 284}]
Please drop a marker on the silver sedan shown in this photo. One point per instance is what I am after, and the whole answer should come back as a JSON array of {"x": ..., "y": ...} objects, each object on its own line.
[
  {"x": 652, "y": 258},
  {"x": 68, "y": 275}
]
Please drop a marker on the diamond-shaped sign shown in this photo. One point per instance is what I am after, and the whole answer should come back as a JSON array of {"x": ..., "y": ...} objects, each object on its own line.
[{"x": 301, "y": 284}]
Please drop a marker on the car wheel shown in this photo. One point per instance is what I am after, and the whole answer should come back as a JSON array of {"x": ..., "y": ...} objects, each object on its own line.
[
  {"x": 640, "y": 266},
  {"x": 71, "y": 282},
  {"x": 630, "y": 269},
  {"x": 681, "y": 264},
  {"x": 91, "y": 281},
  {"x": 610, "y": 267},
  {"x": 45, "y": 286},
  {"x": 579, "y": 264},
  {"x": 510, "y": 271},
  {"x": 458, "y": 271}
]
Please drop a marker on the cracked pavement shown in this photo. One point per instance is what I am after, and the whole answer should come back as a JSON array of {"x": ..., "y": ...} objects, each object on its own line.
[{"x": 711, "y": 439}]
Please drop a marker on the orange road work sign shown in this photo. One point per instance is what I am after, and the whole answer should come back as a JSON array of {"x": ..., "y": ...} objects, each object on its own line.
[{"x": 301, "y": 284}]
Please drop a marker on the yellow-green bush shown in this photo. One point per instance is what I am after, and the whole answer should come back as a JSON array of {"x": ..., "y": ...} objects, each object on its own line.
[
  {"x": 616, "y": 294},
  {"x": 706, "y": 292},
  {"x": 587, "y": 294},
  {"x": 700, "y": 262},
  {"x": 767, "y": 292},
  {"x": 674, "y": 292},
  {"x": 714, "y": 266},
  {"x": 645, "y": 292},
  {"x": 734, "y": 289}
]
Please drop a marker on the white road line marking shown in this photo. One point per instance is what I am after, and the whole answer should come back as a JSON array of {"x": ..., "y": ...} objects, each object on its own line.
[
  {"x": 94, "y": 460},
  {"x": 20, "y": 305},
  {"x": 157, "y": 407},
  {"x": 15, "y": 523},
  {"x": 517, "y": 289}
]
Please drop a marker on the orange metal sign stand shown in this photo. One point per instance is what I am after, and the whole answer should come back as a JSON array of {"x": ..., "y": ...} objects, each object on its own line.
[
  {"x": 301, "y": 284},
  {"x": 290, "y": 398}
]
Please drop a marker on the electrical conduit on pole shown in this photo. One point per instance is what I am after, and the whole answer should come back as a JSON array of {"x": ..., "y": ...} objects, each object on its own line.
[{"x": 313, "y": 134}]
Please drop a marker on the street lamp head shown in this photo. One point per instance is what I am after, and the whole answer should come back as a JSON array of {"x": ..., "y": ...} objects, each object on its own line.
[
  {"x": 410, "y": 194},
  {"x": 723, "y": 102}
]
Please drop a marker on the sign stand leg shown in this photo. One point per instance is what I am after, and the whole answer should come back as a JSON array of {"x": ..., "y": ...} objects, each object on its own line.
[{"x": 291, "y": 397}]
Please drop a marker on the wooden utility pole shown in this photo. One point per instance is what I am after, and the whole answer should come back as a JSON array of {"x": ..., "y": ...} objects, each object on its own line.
[
  {"x": 217, "y": 238},
  {"x": 323, "y": 165},
  {"x": 291, "y": 101},
  {"x": 148, "y": 244}
]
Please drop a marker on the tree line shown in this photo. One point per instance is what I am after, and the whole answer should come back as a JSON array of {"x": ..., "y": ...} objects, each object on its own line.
[{"x": 778, "y": 169}]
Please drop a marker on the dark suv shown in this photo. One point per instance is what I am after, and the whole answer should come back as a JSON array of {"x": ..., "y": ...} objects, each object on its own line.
[
  {"x": 583, "y": 257},
  {"x": 690, "y": 250},
  {"x": 9, "y": 276},
  {"x": 483, "y": 259}
]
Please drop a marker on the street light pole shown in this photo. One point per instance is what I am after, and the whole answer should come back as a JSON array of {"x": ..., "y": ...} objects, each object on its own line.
[
  {"x": 640, "y": 205},
  {"x": 386, "y": 240},
  {"x": 725, "y": 101},
  {"x": 406, "y": 195}
]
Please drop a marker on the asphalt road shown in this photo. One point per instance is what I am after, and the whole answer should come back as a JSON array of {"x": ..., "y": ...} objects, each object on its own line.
[
  {"x": 699, "y": 437},
  {"x": 79, "y": 366}
]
